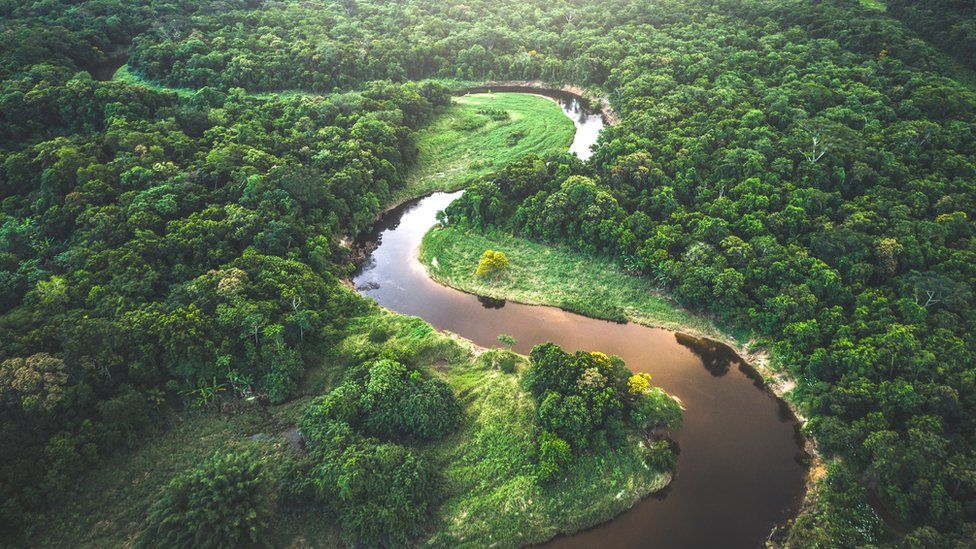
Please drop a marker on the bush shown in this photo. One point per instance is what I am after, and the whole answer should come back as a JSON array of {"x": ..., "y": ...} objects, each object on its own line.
[
  {"x": 497, "y": 115},
  {"x": 513, "y": 138},
  {"x": 225, "y": 502},
  {"x": 383, "y": 493},
  {"x": 397, "y": 401},
  {"x": 492, "y": 264},
  {"x": 655, "y": 408},
  {"x": 469, "y": 122},
  {"x": 554, "y": 456},
  {"x": 660, "y": 457}
]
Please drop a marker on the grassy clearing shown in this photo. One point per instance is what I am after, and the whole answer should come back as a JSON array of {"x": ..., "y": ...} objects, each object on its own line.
[
  {"x": 460, "y": 144},
  {"x": 555, "y": 276},
  {"x": 124, "y": 74},
  {"x": 491, "y": 497}
]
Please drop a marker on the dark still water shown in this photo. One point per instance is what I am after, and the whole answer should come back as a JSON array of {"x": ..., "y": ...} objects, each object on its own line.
[{"x": 740, "y": 468}]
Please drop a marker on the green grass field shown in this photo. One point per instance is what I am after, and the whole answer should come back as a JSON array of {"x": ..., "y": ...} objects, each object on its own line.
[
  {"x": 491, "y": 498},
  {"x": 461, "y": 144},
  {"x": 556, "y": 276}
]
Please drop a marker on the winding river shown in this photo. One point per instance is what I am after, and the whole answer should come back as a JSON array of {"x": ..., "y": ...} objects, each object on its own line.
[{"x": 740, "y": 468}]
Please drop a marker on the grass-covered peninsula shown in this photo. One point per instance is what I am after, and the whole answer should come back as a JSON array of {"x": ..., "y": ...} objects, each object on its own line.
[
  {"x": 554, "y": 275},
  {"x": 488, "y": 466},
  {"x": 481, "y": 133}
]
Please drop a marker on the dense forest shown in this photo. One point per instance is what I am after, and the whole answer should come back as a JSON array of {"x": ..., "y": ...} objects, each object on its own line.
[
  {"x": 801, "y": 169},
  {"x": 951, "y": 24}
]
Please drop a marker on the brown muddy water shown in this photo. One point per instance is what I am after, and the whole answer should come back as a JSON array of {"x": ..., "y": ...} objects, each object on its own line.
[{"x": 741, "y": 464}]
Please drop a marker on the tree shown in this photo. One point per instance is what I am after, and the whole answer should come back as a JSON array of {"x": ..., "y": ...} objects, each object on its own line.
[
  {"x": 639, "y": 383},
  {"x": 492, "y": 264},
  {"x": 35, "y": 383},
  {"x": 226, "y": 501}
]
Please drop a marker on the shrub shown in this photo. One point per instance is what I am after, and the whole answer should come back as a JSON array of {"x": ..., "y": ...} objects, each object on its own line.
[
  {"x": 554, "y": 456},
  {"x": 497, "y": 115},
  {"x": 655, "y": 409},
  {"x": 513, "y": 138},
  {"x": 383, "y": 493},
  {"x": 397, "y": 400},
  {"x": 492, "y": 264},
  {"x": 469, "y": 122},
  {"x": 660, "y": 457},
  {"x": 225, "y": 502}
]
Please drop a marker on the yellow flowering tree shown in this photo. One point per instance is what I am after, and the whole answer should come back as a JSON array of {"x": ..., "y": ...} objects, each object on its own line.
[
  {"x": 639, "y": 384},
  {"x": 492, "y": 264}
]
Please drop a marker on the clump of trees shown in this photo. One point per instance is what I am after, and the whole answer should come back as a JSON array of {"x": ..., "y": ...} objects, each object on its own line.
[
  {"x": 492, "y": 264},
  {"x": 584, "y": 404},
  {"x": 360, "y": 465},
  {"x": 226, "y": 501}
]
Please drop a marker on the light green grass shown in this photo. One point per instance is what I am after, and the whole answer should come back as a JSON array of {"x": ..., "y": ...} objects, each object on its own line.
[
  {"x": 460, "y": 145},
  {"x": 491, "y": 498},
  {"x": 556, "y": 276},
  {"x": 124, "y": 74}
]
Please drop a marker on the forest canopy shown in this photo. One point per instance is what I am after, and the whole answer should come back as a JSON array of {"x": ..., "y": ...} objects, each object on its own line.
[{"x": 804, "y": 170}]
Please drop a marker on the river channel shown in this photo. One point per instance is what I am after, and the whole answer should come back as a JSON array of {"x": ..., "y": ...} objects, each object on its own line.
[{"x": 740, "y": 466}]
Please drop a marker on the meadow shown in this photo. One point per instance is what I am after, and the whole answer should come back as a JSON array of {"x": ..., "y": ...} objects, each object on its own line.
[{"x": 462, "y": 144}]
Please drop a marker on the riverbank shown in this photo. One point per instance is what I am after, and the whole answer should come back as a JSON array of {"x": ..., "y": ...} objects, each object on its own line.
[
  {"x": 590, "y": 286},
  {"x": 551, "y": 275},
  {"x": 479, "y": 134},
  {"x": 488, "y": 466}
]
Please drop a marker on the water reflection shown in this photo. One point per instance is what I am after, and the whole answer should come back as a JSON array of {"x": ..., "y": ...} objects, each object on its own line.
[
  {"x": 715, "y": 356},
  {"x": 490, "y": 302}
]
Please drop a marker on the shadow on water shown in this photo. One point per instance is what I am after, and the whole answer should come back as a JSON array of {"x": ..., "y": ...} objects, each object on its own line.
[
  {"x": 490, "y": 302},
  {"x": 716, "y": 357}
]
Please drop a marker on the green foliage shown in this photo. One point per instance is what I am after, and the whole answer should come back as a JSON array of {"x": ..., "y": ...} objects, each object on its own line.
[
  {"x": 35, "y": 383},
  {"x": 951, "y": 25},
  {"x": 494, "y": 113},
  {"x": 841, "y": 517},
  {"x": 800, "y": 168},
  {"x": 555, "y": 455},
  {"x": 550, "y": 275},
  {"x": 507, "y": 340},
  {"x": 462, "y": 143},
  {"x": 583, "y": 398},
  {"x": 388, "y": 399},
  {"x": 655, "y": 408},
  {"x": 227, "y": 501},
  {"x": 383, "y": 493}
]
